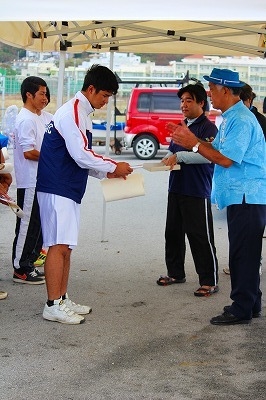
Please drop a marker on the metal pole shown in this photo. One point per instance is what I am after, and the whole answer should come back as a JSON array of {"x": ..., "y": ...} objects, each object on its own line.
[
  {"x": 61, "y": 72},
  {"x": 109, "y": 113},
  {"x": 3, "y": 85},
  {"x": 107, "y": 146}
]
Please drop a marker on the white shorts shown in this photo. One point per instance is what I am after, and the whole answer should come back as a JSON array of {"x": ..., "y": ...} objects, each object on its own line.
[{"x": 59, "y": 219}]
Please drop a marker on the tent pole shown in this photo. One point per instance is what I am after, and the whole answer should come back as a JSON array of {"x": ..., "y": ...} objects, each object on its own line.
[
  {"x": 109, "y": 112},
  {"x": 3, "y": 86},
  {"x": 61, "y": 72},
  {"x": 107, "y": 146}
]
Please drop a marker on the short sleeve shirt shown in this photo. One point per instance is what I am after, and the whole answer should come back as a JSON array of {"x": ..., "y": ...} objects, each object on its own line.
[
  {"x": 29, "y": 133},
  {"x": 241, "y": 139}
]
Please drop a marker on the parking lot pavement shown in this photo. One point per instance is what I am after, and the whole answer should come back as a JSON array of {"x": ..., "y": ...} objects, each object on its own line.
[
  {"x": 127, "y": 154},
  {"x": 141, "y": 341}
]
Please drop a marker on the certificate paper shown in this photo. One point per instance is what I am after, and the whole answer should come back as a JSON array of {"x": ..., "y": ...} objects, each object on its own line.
[
  {"x": 5, "y": 168},
  {"x": 12, "y": 204},
  {"x": 159, "y": 166},
  {"x": 119, "y": 188}
]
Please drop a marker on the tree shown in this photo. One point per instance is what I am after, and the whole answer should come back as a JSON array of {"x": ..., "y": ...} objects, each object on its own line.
[
  {"x": 10, "y": 53},
  {"x": 160, "y": 58}
]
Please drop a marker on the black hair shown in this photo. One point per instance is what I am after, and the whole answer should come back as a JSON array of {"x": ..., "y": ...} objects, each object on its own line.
[
  {"x": 48, "y": 95},
  {"x": 31, "y": 84},
  {"x": 247, "y": 93},
  {"x": 197, "y": 91},
  {"x": 102, "y": 78},
  {"x": 235, "y": 90}
]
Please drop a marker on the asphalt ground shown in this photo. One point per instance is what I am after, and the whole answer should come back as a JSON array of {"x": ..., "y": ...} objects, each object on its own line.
[{"x": 141, "y": 341}]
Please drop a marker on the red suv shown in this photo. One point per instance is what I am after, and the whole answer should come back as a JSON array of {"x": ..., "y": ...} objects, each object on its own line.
[{"x": 148, "y": 111}]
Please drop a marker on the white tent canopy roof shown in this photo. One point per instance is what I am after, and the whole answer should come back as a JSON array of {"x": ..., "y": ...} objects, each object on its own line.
[
  {"x": 146, "y": 36},
  {"x": 66, "y": 10},
  {"x": 228, "y": 27}
]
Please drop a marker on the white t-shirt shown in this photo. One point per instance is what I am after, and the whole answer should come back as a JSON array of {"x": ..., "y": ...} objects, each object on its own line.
[
  {"x": 219, "y": 118},
  {"x": 46, "y": 117},
  {"x": 28, "y": 135}
]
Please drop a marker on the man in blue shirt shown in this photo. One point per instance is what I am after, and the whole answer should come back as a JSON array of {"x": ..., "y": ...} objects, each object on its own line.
[
  {"x": 247, "y": 96},
  {"x": 239, "y": 152}
]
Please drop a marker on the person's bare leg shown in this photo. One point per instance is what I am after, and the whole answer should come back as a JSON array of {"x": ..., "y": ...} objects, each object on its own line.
[
  {"x": 56, "y": 276},
  {"x": 77, "y": 308},
  {"x": 66, "y": 272},
  {"x": 55, "y": 267}
]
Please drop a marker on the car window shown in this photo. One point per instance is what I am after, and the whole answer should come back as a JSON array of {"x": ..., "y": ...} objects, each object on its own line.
[
  {"x": 144, "y": 102},
  {"x": 165, "y": 103},
  {"x": 159, "y": 103}
]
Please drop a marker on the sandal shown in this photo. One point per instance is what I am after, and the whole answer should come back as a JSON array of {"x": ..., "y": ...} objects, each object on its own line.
[
  {"x": 205, "y": 291},
  {"x": 3, "y": 295},
  {"x": 165, "y": 280}
]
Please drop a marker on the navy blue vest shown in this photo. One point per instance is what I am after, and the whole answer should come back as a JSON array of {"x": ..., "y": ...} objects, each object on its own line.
[{"x": 58, "y": 173}]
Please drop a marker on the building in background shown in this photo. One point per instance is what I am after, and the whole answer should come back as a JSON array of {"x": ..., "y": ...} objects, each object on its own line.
[{"x": 129, "y": 67}]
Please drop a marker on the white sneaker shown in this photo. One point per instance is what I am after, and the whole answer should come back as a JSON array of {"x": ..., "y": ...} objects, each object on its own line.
[
  {"x": 59, "y": 312},
  {"x": 77, "y": 308}
]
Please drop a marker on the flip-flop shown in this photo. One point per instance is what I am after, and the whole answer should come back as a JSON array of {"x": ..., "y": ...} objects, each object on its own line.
[
  {"x": 226, "y": 271},
  {"x": 206, "y": 291},
  {"x": 165, "y": 280}
]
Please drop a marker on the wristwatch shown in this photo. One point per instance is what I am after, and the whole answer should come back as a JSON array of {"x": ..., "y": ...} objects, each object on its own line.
[{"x": 196, "y": 147}]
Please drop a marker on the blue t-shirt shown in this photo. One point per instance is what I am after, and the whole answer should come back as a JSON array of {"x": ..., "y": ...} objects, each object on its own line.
[
  {"x": 241, "y": 139},
  {"x": 194, "y": 179}
]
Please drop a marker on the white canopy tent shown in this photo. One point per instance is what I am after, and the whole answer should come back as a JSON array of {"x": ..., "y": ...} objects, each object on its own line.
[
  {"x": 18, "y": 10},
  {"x": 146, "y": 36},
  {"x": 225, "y": 28}
]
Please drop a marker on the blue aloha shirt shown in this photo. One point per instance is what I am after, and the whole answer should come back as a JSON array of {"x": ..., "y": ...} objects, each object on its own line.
[{"x": 241, "y": 139}]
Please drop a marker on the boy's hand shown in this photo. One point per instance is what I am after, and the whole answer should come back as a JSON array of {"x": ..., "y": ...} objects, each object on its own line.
[{"x": 122, "y": 170}]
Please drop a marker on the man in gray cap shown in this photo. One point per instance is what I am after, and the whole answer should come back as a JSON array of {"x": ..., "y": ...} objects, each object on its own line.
[{"x": 239, "y": 152}]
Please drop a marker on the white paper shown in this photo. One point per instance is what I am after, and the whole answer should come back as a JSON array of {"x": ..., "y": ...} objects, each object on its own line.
[
  {"x": 5, "y": 153},
  {"x": 6, "y": 168},
  {"x": 13, "y": 205},
  {"x": 159, "y": 166},
  {"x": 119, "y": 188}
]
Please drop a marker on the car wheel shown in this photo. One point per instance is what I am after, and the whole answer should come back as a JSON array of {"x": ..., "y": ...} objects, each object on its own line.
[{"x": 145, "y": 147}]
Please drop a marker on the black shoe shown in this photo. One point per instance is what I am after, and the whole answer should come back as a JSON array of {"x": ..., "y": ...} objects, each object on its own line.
[
  {"x": 29, "y": 277},
  {"x": 39, "y": 273},
  {"x": 254, "y": 315},
  {"x": 228, "y": 319}
]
